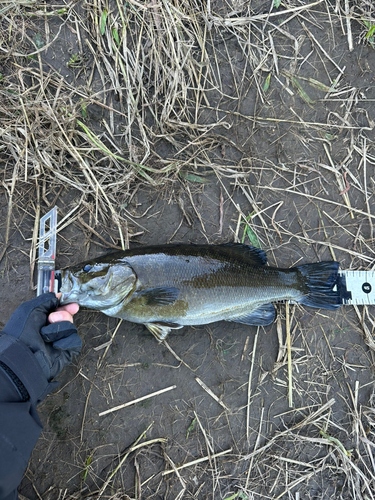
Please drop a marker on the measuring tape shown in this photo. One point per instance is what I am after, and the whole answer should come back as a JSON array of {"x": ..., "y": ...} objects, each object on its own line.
[{"x": 354, "y": 287}]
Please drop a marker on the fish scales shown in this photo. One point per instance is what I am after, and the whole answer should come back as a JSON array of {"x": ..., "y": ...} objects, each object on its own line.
[
  {"x": 176, "y": 285},
  {"x": 210, "y": 288}
]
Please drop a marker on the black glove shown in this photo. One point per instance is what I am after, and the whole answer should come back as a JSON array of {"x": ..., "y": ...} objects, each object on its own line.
[{"x": 53, "y": 344}]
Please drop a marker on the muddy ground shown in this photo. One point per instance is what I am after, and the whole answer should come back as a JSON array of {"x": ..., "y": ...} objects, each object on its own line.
[{"x": 300, "y": 161}]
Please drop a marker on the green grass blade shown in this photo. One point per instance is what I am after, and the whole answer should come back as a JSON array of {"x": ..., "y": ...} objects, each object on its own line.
[
  {"x": 103, "y": 21},
  {"x": 116, "y": 37},
  {"x": 267, "y": 83},
  {"x": 191, "y": 427},
  {"x": 194, "y": 178},
  {"x": 250, "y": 233},
  {"x": 301, "y": 91}
]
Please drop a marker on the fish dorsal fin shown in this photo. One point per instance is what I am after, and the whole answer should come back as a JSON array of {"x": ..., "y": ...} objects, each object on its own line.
[
  {"x": 261, "y": 316},
  {"x": 255, "y": 255},
  {"x": 159, "y": 296}
]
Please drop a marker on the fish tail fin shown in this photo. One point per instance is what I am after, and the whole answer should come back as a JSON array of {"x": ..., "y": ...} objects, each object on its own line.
[{"x": 320, "y": 279}]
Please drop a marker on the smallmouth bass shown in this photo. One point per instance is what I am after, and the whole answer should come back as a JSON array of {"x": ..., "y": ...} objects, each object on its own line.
[{"x": 168, "y": 287}]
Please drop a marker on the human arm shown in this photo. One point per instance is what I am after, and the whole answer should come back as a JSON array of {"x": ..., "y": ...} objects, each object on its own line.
[{"x": 36, "y": 343}]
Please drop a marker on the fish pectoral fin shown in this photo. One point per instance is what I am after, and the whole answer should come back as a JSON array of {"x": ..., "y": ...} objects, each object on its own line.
[
  {"x": 161, "y": 329},
  {"x": 159, "y": 296},
  {"x": 261, "y": 316}
]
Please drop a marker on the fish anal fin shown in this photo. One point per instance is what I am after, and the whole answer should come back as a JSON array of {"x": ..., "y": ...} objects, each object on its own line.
[
  {"x": 161, "y": 329},
  {"x": 159, "y": 296},
  {"x": 255, "y": 255},
  {"x": 261, "y": 316}
]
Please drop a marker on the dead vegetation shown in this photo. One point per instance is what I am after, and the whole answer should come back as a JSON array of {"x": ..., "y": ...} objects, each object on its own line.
[{"x": 254, "y": 103}]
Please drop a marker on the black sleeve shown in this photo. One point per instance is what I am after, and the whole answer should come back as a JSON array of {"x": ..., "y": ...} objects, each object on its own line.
[
  {"x": 19, "y": 431},
  {"x": 22, "y": 386}
]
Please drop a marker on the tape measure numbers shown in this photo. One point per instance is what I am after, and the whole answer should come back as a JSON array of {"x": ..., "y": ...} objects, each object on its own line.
[{"x": 356, "y": 287}]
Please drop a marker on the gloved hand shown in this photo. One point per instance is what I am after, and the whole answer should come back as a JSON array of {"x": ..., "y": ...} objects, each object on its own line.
[{"x": 53, "y": 344}]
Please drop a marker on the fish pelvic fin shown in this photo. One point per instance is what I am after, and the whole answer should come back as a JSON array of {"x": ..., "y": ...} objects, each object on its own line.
[
  {"x": 261, "y": 316},
  {"x": 320, "y": 280},
  {"x": 161, "y": 330}
]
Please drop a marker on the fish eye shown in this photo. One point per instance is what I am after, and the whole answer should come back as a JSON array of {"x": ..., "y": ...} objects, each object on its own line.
[{"x": 87, "y": 268}]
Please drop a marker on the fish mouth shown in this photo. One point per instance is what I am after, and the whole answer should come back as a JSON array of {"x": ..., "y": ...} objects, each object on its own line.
[
  {"x": 65, "y": 298},
  {"x": 68, "y": 287}
]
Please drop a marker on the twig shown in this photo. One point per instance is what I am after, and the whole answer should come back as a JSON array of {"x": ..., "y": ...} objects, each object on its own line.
[
  {"x": 343, "y": 189},
  {"x": 110, "y": 342},
  {"x": 318, "y": 125},
  {"x": 198, "y": 461},
  {"x": 107, "y": 243},
  {"x": 348, "y": 26},
  {"x": 221, "y": 208},
  {"x": 245, "y": 348},
  {"x": 249, "y": 387},
  {"x": 175, "y": 469},
  {"x": 134, "y": 447},
  {"x": 208, "y": 390},
  {"x": 130, "y": 403},
  {"x": 176, "y": 356},
  {"x": 10, "y": 207},
  {"x": 307, "y": 420},
  {"x": 34, "y": 239},
  {"x": 352, "y": 209},
  {"x": 341, "y": 70},
  {"x": 289, "y": 351},
  {"x": 255, "y": 448},
  {"x": 365, "y": 185},
  {"x": 245, "y": 20}
]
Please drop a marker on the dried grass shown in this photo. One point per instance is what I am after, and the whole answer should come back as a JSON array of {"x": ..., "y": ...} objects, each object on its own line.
[{"x": 157, "y": 67}]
